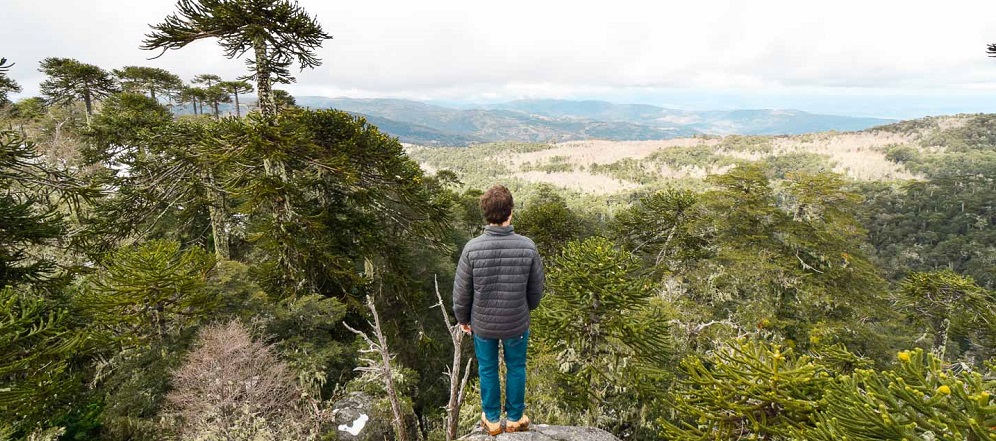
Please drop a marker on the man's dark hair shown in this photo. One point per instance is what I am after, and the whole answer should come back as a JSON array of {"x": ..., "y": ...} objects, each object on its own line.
[{"x": 496, "y": 203}]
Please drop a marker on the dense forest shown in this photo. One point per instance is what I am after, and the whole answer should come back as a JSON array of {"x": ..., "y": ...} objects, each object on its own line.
[{"x": 172, "y": 271}]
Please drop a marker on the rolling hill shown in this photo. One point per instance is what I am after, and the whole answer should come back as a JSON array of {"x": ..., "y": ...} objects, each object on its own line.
[{"x": 420, "y": 123}]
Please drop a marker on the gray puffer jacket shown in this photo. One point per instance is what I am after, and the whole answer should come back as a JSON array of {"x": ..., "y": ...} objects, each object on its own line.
[{"x": 498, "y": 281}]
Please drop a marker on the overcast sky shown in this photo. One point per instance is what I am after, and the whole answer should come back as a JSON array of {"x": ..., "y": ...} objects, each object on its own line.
[{"x": 870, "y": 57}]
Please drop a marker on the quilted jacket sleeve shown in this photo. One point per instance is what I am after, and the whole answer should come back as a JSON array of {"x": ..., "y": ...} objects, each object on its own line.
[
  {"x": 534, "y": 290},
  {"x": 463, "y": 289}
]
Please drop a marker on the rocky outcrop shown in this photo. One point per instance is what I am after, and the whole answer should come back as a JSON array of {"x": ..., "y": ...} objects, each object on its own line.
[
  {"x": 543, "y": 432},
  {"x": 356, "y": 419}
]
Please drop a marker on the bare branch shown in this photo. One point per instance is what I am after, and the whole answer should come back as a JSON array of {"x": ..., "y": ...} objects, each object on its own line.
[
  {"x": 381, "y": 369},
  {"x": 442, "y": 306},
  {"x": 463, "y": 384}
]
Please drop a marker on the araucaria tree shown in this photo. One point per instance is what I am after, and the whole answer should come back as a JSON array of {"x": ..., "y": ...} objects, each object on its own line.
[
  {"x": 951, "y": 307},
  {"x": 37, "y": 338},
  {"x": 235, "y": 88},
  {"x": 277, "y": 31},
  {"x": 70, "y": 80},
  {"x": 603, "y": 322},
  {"x": 213, "y": 93},
  {"x": 7, "y": 84},
  {"x": 141, "y": 79}
]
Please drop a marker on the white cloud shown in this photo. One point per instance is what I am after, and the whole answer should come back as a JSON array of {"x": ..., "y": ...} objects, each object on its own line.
[{"x": 458, "y": 49}]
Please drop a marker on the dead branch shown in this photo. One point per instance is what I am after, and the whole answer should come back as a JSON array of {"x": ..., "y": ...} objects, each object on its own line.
[
  {"x": 382, "y": 369},
  {"x": 457, "y": 385}
]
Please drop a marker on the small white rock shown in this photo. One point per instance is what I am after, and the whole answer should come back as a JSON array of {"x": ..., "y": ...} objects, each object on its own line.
[{"x": 355, "y": 428}]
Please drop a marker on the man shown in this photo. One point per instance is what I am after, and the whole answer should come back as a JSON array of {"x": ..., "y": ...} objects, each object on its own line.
[{"x": 499, "y": 280}]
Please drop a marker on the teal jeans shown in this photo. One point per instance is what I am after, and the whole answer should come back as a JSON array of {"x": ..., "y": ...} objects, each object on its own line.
[{"x": 515, "y": 376}]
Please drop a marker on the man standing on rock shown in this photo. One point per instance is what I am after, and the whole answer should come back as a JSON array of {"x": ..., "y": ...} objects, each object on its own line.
[{"x": 499, "y": 280}]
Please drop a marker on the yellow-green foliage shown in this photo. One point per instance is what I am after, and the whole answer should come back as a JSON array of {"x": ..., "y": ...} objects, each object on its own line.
[
  {"x": 746, "y": 390},
  {"x": 152, "y": 290},
  {"x": 602, "y": 321},
  {"x": 919, "y": 399}
]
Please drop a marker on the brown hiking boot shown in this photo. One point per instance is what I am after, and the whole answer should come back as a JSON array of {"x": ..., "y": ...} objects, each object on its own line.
[
  {"x": 489, "y": 427},
  {"x": 517, "y": 426}
]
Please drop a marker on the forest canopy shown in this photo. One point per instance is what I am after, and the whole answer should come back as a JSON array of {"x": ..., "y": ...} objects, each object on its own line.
[{"x": 161, "y": 238}]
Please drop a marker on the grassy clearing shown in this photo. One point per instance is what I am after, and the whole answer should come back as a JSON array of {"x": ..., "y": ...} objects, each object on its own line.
[{"x": 625, "y": 168}]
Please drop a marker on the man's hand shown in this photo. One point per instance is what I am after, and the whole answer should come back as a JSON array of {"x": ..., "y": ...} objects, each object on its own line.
[{"x": 466, "y": 329}]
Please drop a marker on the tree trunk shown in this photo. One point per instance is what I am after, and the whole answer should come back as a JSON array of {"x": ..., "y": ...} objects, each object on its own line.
[
  {"x": 218, "y": 211},
  {"x": 152, "y": 94},
  {"x": 238, "y": 114},
  {"x": 941, "y": 339},
  {"x": 266, "y": 105},
  {"x": 399, "y": 421},
  {"x": 89, "y": 106},
  {"x": 267, "y": 108},
  {"x": 89, "y": 103}
]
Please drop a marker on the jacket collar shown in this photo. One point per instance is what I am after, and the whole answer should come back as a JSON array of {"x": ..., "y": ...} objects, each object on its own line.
[{"x": 494, "y": 230}]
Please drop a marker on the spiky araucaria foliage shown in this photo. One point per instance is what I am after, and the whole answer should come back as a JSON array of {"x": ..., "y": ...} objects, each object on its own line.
[
  {"x": 7, "y": 84},
  {"x": 38, "y": 346},
  {"x": 148, "y": 292},
  {"x": 918, "y": 399},
  {"x": 235, "y": 88},
  {"x": 951, "y": 307},
  {"x": 602, "y": 321},
  {"x": 751, "y": 390}
]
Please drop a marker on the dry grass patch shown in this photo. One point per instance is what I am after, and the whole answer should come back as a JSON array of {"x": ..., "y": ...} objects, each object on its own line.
[
  {"x": 585, "y": 153},
  {"x": 579, "y": 181},
  {"x": 691, "y": 171},
  {"x": 857, "y": 155},
  {"x": 951, "y": 122}
]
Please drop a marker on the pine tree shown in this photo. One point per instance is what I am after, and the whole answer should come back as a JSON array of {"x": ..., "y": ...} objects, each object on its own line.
[
  {"x": 785, "y": 259},
  {"x": 196, "y": 96},
  {"x": 548, "y": 222},
  {"x": 213, "y": 93},
  {"x": 283, "y": 99},
  {"x": 136, "y": 134},
  {"x": 30, "y": 193},
  {"x": 357, "y": 197},
  {"x": 37, "y": 339},
  {"x": 658, "y": 228},
  {"x": 148, "y": 292}
]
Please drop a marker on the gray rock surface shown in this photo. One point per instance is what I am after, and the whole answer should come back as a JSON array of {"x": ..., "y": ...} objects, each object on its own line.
[
  {"x": 357, "y": 420},
  {"x": 543, "y": 432}
]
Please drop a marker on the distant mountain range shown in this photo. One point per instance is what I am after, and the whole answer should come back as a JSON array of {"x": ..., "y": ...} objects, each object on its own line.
[{"x": 563, "y": 120}]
